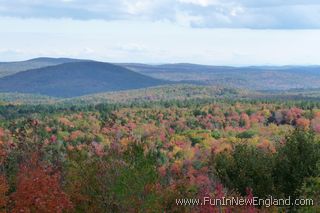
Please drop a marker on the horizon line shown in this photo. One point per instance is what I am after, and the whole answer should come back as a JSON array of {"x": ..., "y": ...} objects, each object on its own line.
[{"x": 165, "y": 63}]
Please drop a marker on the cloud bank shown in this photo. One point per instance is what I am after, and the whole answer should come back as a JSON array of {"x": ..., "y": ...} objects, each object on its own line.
[{"x": 254, "y": 14}]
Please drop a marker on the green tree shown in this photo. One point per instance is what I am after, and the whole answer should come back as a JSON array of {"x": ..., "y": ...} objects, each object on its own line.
[
  {"x": 296, "y": 161},
  {"x": 117, "y": 182},
  {"x": 246, "y": 167}
]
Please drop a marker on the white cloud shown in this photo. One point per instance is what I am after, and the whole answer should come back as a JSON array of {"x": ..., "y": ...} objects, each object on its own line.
[
  {"x": 138, "y": 7},
  {"x": 203, "y": 3},
  {"x": 262, "y": 14}
]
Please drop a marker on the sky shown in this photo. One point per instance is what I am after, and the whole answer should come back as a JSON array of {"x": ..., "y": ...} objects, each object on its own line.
[{"x": 216, "y": 32}]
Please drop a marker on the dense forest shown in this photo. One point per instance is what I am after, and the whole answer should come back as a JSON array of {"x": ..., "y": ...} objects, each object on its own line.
[{"x": 142, "y": 157}]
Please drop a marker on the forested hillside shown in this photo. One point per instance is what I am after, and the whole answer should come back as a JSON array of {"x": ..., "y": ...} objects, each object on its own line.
[
  {"x": 76, "y": 79},
  {"x": 113, "y": 158},
  {"x": 165, "y": 93}
]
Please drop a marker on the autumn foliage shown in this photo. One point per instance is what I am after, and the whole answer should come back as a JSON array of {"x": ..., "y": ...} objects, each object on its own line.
[
  {"x": 39, "y": 190},
  {"x": 110, "y": 158}
]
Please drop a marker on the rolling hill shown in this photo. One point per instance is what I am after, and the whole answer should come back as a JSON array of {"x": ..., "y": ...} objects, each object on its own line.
[
  {"x": 150, "y": 94},
  {"x": 252, "y": 77},
  {"x": 76, "y": 79},
  {"x": 163, "y": 94}
]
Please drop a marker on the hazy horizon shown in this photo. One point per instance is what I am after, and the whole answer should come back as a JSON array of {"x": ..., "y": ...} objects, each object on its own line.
[{"x": 164, "y": 63}]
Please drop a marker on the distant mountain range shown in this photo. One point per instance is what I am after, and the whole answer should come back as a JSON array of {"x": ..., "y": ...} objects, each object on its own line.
[
  {"x": 252, "y": 77},
  {"x": 65, "y": 77}
]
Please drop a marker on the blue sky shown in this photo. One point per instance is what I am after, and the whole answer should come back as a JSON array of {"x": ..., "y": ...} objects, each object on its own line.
[{"x": 222, "y": 32}]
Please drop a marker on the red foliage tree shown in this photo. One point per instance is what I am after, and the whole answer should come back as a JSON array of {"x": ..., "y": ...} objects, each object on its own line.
[
  {"x": 3, "y": 191},
  {"x": 38, "y": 190}
]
